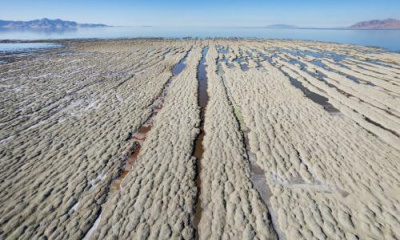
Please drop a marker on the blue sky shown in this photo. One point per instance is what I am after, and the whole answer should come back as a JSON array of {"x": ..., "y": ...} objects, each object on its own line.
[{"x": 313, "y": 13}]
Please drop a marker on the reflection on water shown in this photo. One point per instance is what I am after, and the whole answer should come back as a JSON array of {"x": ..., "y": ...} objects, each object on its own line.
[
  {"x": 12, "y": 47},
  {"x": 389, "y": 39}
]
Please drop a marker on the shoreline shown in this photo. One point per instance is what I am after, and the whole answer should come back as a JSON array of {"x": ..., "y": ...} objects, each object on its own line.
[{"x": 77, "y": 40}]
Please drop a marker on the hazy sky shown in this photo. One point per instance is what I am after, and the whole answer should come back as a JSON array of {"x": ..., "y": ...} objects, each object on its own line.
[{"x": 313, "y": 13}]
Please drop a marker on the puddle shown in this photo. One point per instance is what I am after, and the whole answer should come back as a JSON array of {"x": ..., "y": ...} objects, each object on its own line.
[
  {"x": 269, "y": 58},
  {"x": 202, "y": 78},
  {"x": 295, "y": 62},
  {"x": 352, "y": 78},
  {"x": 335, "y": 56},
  {"x": 349, "y": 77},
  {"x": 382, "y": 63},
  {"x": 198, "y": 150},
  {"x": 259, "y": 65},
  {"x": 320, "y": 76},
  {"x": 321, "y": 100},
  {"x": 223, "y": 50},
  {"x": 229, "y": 64},
  {"x": 243, "y": 64},
  {"x": 322, "y": 54},
  {"x": 178, "y": 68},
  {"x": 244, "y": 67},
  {"x": 322, "y": 65},
  {"x": 319, "y": 63}
]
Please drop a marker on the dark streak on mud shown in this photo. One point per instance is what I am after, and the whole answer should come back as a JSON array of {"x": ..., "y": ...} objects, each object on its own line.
[
  {"x": 198, "y": 150},
  {"x": 257, "y": 173},
  {"x": 380, "y": 126},
  {"x": 138, "y": 137},
  {"x": 319, "y": 99}
]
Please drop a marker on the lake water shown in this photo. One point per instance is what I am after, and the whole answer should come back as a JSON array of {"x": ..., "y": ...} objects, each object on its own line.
[
  {"x": 388, "y": 39},
  {"x": 12, "y": 47}
]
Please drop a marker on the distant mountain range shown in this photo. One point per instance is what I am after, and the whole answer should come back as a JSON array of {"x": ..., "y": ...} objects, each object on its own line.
[
  {"x": 46, "y": 24},
  {"x": 373, "y": 24},
  {"x": 377, "y": 24}
]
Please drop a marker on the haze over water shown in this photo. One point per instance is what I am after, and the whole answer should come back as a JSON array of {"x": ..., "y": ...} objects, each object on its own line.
[{"x": 388, "y": 39}]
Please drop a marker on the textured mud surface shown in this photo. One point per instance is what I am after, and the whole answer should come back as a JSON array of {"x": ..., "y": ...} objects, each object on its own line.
[{"x": 112, "y": 140}]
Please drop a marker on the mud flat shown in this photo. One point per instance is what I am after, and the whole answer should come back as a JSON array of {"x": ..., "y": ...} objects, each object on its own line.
[
  {"x": 231, "y": 207},
  {"x": 116, "y": 139}
]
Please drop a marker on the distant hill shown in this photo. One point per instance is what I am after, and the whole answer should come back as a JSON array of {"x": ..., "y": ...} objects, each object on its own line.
[
  {"x": 46, "y": 24},
  {"x": 281, "y": 26},
  {"x": 377, "y": 24}
]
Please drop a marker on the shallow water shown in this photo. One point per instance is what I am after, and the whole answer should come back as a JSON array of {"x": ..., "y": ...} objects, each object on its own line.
[
  {"x": 202, "y": 77},
  {"x": 178, "y": 68},
  {"x": 321, "y": 100},
  {"x": 13, "y": 47},
  {"x": 389, "y": 39},
  {"x": 199, "y": 150}
]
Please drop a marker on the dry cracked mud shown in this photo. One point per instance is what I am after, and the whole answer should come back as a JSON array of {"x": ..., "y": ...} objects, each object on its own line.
[{"x": 200, "y": 139}]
